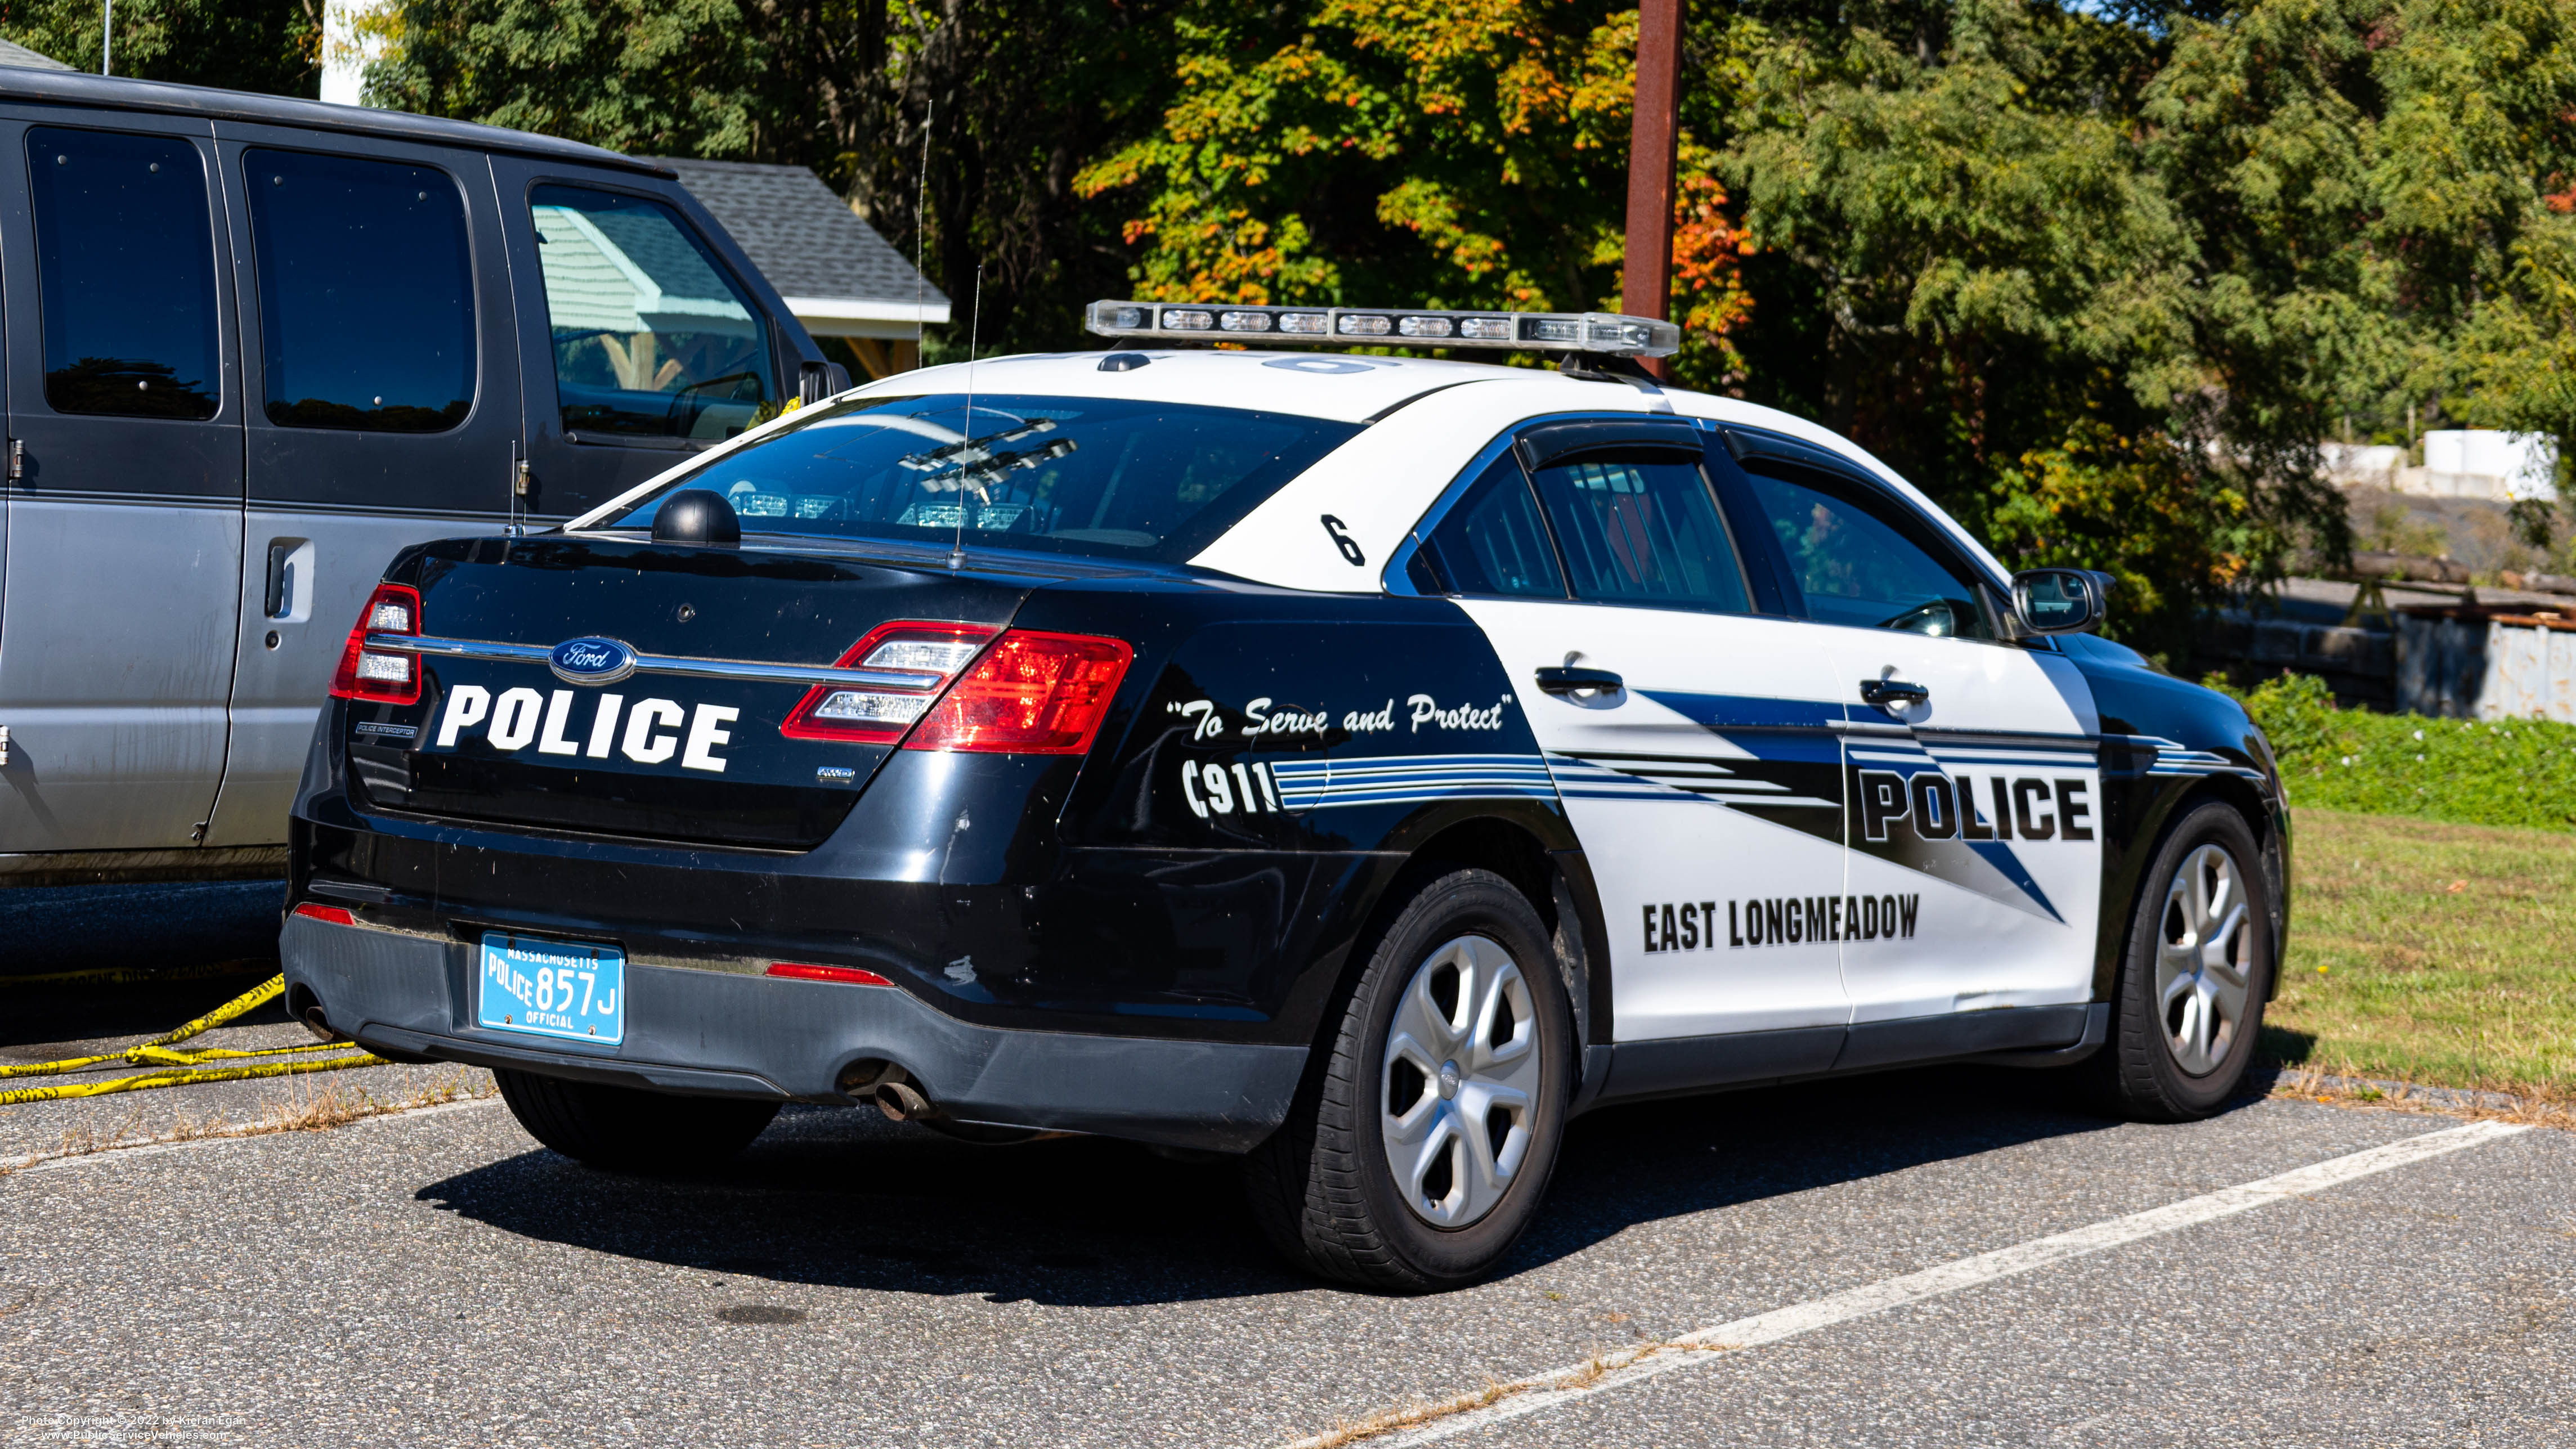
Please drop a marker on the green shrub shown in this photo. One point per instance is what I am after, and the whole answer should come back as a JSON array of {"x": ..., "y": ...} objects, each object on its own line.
[{"x": 2476, "y": 772}]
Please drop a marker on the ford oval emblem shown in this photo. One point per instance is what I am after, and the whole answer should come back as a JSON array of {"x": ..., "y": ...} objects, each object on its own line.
[{"x": 592, "y": 661}]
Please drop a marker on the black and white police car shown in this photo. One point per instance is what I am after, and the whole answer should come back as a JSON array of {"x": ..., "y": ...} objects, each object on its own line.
[{"x": 1358, "y": 764}]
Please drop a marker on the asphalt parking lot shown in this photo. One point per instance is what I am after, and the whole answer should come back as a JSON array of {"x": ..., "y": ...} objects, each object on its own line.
[{"x": 435, "y": 1277}]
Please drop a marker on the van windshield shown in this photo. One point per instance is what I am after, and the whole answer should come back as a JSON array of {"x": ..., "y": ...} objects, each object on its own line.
[{"x": 1141, "y": 480}]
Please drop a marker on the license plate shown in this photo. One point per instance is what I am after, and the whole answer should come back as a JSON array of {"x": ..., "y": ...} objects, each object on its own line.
[{"x": 551, "y": 988}]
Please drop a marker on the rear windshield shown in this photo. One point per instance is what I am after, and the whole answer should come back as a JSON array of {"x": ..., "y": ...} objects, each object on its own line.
[{"x": 1141, "y": 480}]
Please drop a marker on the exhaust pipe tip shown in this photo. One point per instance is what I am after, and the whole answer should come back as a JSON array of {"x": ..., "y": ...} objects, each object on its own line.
[
  {"x": 306, "y": 1008},
  {"x": 901, "y": 1102}
]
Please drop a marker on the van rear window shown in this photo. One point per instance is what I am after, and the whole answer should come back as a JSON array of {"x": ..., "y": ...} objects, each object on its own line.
[{"x": 1113, "y": 478}]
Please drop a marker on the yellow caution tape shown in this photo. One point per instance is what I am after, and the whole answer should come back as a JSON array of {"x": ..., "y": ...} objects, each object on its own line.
[
  {"x": 156, "y": 1052},
  {"x": 181, "y": 1079}
]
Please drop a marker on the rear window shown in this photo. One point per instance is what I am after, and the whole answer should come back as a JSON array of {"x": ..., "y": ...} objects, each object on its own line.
[{"x": 1141, "y": 480}]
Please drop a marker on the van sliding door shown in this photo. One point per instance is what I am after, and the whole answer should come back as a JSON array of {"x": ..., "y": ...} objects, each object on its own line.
[
  {"x": 124, "y": 524},
  {"x": 381, "y": 368}
]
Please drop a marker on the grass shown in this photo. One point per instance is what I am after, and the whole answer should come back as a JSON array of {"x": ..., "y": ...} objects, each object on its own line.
[
  {"x": 2430, "y": 952},
  {"x": 2473, "y": 772},
  {"x": 310, "y": 1107}
]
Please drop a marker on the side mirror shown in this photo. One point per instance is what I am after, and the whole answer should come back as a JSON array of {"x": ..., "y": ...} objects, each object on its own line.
[{"x": 2060, "y": 601}]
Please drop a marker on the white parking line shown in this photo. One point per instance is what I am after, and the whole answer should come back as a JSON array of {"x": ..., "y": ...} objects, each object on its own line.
[{"x": 1542, "y": 1392}]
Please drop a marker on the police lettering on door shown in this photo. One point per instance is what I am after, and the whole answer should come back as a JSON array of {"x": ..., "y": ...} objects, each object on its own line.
[{"x": 1940, "y": 808}]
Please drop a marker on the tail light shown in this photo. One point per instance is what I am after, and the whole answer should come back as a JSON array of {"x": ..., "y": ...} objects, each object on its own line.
[
  {"x": 336, "y": 915},
  {"x": 383, "y": 676},
  {"x": 1030, "y": 694},
  {"x": 932, "y": 653},
  {"x": 850, "y": 975}
]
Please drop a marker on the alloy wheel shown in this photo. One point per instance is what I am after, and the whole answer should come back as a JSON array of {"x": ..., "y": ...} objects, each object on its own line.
[
  {"x": 2204, "y": 960},
  {"x": 1461, "y": 1073}
]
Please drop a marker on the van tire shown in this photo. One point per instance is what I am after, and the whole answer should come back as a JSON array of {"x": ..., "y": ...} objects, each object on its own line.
[
  {"x": 1325, "y": 1188},
  {"x": 626, "y": 1130}
]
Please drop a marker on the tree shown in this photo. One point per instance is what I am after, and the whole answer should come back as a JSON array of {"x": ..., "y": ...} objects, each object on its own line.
[
  {"x": 274, "y": 46},
  {"x": 1372, "y": 151},
  {"x": 1015, "y": 95}
]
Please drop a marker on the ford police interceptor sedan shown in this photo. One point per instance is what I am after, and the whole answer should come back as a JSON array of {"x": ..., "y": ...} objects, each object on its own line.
[{"x": 1356, "y": 764}]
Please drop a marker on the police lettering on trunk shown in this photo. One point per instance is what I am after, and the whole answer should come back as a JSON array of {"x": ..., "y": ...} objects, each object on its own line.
[{"x": 650, "y": 733}]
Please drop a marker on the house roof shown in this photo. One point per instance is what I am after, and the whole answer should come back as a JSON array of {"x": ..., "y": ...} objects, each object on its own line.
[
  {"x": 12, "y": 53},
  {"x": 824, "y": 260}
]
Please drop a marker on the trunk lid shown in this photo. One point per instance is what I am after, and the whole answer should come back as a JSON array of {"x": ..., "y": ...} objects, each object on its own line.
[{"x": 685, "y": 743}]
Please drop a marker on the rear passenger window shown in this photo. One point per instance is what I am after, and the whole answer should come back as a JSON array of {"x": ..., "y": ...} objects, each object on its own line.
[
  {"x": 125, "y": 265},
  {"x": 1494, "y": 543},
  {"x": 651, "y": 338},
  {"x": 366, "y": 293},
  {"x": 1643, "y": 530}
]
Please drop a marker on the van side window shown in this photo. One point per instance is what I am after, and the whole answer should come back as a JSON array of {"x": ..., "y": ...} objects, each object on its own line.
[
  {"x": 125, "y": 264},
  {"x": 651, "y": 338},
  {"x": 366, "y": 293}
]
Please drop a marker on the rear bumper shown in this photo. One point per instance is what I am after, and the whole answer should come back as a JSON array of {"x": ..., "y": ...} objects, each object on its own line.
[{"x": 715, "y": 1033}]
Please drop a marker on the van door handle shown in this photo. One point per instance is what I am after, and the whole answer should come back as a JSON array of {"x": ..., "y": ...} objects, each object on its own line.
[
  {"x": 1565, "y": 680},
  {"x": 281, "y": 580},
  {"x": 1887, "y": 691}
]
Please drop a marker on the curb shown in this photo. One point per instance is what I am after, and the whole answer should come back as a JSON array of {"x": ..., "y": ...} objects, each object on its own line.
[{"x": 2273, "y": 1079}]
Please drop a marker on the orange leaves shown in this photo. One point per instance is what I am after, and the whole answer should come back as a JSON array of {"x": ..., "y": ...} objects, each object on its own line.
[{"x": 1455, "y": 152}]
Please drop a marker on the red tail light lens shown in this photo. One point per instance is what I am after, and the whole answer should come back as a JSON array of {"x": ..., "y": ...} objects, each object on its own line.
[
  {"x": 1031, "y": 694},
  {"x": 381, "y": 676},
  {"x": 336, "y": 915},
  {"x": 934, "y": 652},
  {"x": 852, "y": 975}
]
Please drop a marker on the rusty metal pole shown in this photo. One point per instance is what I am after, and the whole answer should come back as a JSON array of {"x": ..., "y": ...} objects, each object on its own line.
[{"x": 1645, "y": 289}]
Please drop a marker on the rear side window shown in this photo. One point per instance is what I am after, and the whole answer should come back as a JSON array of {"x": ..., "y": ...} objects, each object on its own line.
[
  {"x": 125, "y": 264},
  {"x": 366, "y": 293},
  {"x": 1642, "y": 530},
  {"x": 1860, "y": 568},
  {"x": 651, "y": 338},
  {"x": 1493, "y": 542},
  {"x": 1155, "y": 481}
]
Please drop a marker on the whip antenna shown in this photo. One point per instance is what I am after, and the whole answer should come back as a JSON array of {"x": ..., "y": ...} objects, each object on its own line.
[
  {"x": 921, "y": 225},
  {"x": 974, "y": 325}
]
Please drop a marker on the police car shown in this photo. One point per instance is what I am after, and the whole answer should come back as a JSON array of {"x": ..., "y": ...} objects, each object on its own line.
[{"x": 1355, "y": 764}]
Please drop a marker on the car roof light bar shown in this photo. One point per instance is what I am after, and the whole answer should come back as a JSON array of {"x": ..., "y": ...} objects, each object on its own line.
[{"x": 1602, "y": 334}]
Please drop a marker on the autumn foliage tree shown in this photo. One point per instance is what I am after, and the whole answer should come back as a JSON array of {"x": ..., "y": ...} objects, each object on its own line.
[{"x": 1454, "y": 155}]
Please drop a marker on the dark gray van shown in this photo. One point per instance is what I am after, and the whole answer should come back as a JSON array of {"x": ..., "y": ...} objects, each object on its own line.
[{"x": 254, "y": 346}]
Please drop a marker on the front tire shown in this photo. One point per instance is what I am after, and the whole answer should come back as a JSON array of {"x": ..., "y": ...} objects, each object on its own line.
[
  {"x": 626, "y": 1130},
  {"x": 2195, "y": 974},
  {"x": 1419, "y": 1152}
]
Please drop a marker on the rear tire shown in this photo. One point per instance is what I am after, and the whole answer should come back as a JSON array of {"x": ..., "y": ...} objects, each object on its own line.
[
  {"x": 2194, "y": 977},
  {"x": 1420, "y": 1147},
  {"x": 627, "y": 1130}
]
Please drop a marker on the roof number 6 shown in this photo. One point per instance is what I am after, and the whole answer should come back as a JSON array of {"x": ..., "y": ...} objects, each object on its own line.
[{"x": 1350, "y": 551}]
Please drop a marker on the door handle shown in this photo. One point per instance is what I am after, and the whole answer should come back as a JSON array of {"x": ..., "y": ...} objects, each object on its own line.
[
  {"x": 1887, "y": 691},
  {"x": 280, "y": 601},
  {"x": 1565, "y": 679}
]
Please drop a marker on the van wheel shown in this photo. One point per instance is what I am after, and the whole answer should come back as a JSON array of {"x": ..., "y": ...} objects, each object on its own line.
[
  {"x": 1418, "y": 1153},
  {"x": 629, "y": 1130},
  {"x": 2194, "y": 976}
]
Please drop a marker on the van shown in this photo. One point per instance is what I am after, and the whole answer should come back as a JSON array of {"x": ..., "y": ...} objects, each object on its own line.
[{"x": 254, "y": 347}]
